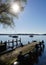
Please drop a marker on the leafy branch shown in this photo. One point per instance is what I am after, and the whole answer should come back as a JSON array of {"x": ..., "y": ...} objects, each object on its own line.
[{"x": 6, "y": 17}]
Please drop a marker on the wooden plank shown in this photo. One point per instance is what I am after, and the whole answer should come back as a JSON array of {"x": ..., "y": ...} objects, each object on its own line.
[{"x": 12, "y": 56}]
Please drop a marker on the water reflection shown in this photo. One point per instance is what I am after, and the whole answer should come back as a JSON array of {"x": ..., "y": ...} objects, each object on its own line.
[{"x": 31, "y": 58}]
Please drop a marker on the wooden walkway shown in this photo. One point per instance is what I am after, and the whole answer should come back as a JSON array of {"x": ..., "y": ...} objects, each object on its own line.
[{"x": 10, "y": 57}]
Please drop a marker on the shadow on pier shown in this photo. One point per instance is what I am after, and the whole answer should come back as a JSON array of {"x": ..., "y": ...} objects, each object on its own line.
[{"x": 30, "y": 58}]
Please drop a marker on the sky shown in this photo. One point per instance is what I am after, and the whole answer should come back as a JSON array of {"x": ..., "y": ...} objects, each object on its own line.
[{"x": 31, "y": 20}]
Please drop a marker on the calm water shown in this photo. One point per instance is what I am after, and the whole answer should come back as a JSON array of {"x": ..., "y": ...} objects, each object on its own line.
[{"x": 41, "y": 60}]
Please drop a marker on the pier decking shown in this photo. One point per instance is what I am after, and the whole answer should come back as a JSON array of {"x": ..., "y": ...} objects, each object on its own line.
[
  {"x": 11, "y": 56},
  {"x": 2, "y": 47}
]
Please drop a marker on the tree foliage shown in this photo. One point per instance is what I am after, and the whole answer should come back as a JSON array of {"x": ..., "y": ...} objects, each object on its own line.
[{"x": 6, "y": 17}]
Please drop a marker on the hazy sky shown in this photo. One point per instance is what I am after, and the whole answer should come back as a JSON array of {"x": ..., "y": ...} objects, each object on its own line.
[{"x": 32, "y": 20}]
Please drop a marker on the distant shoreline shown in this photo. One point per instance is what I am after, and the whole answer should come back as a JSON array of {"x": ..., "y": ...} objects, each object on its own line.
[{"x": 22, "y": 34}]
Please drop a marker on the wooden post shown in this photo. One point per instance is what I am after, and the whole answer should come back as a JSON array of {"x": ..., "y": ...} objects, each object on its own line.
[
  {"x": 1, "y": 42},
  {"x": 8, "y": 43},
  {"x": 16, "y": 42},
  {"x": 13, "y": 43},
  {"x": 5, "y": 44},
  {"x": 20, "y": 41}
]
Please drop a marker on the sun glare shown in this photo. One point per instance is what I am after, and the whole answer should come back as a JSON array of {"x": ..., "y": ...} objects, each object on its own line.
[{"x": 15, "y": 8}]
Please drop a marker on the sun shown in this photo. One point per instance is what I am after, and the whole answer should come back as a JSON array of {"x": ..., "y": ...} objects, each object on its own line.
[{"x": 15, "y": 8}]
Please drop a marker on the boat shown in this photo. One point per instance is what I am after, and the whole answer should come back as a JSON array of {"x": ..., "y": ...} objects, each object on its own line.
[
  {"x": 31, "y": 36},
  {"x": 14, "y": 36}
]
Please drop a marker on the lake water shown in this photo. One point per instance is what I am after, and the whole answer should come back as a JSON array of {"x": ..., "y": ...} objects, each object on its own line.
[{"x": 41, "y": 60}]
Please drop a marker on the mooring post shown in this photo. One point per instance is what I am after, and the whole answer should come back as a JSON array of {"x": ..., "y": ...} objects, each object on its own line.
[
  {"x": 8, "y": 43},
  {"x": 20, "y": 40},
  {"x": 40, "y": 43},
  {"x": 13, "y": 43},
  {"x": 1, "y": 42},
  {"x": 16, "y": 42},
  {"x": 20, "y": 43},
  {"x": 36, "y": 46},
  {"x": 5, "y": 44}
]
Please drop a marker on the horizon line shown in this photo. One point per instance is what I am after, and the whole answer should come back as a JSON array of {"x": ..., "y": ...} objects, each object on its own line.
[{"x": 23, "y": 34}]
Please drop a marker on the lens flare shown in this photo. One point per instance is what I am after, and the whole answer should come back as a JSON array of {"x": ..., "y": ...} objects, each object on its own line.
[{"x": 15, "y": 8}]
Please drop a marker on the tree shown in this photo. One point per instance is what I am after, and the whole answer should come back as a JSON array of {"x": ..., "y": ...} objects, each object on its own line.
[{"x": 6, "y": 16}]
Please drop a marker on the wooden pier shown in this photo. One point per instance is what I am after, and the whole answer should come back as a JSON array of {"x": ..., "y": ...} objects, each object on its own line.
[
  {"x": 11, "y": 56},
  {"x": 2, "y": 47},
  {"x": 13, "y": 42}
]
